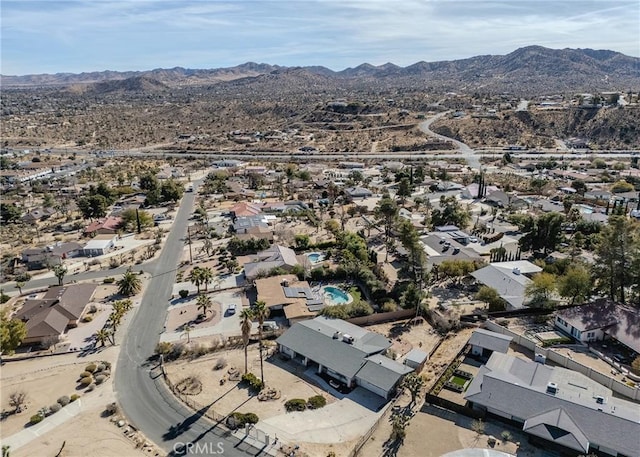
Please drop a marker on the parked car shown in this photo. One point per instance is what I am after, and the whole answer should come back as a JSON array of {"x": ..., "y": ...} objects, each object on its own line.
[{"x": 231, "y": 309}]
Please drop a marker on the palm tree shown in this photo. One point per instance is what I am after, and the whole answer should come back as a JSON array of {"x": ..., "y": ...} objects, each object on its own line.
[
  {"x": 261, "y": 312},
  {"x": 206, "y": 274},
  {"x": 187, "y": 331},
  {"x": 130, "y": 284},
  {"x": 102, "y": 336},
  {"x": 204, "y": 304},
  {"x": 246, "y": 318},
  {"x": 195, "y": 276}
]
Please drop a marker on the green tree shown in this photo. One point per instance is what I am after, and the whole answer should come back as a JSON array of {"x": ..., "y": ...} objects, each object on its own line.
[
  {"x": 102, "y": 336},
  {"x": 450, "y": 212},
  {"x": 260, "y": 312},
  {"x": 617, "y": 257},
  {"x": 186, "y": 331},
  {"x": 575, "y": 284},
  {"x": 302, "y": 241},
  {"x": 206, "y": 274},
  {"x": 12, "y": 332},
  {"x": 580, "y": 186},
  {"x": 404, "y": 189},
  {"x": 9, "y": 212},
  {"x": 414, "y": 384},
  {"x": 130, "y": 284},
  {"x": 386, "y": 212},
  {"x": 196, "y": 277},
  {"x": 542, "y": 234},
  {"x": 491, "y": 297},
  {"x": 93, "y": 206},
  {"x": 60, "y": 272},
  {"x": 171, "y": 190},
  {"x": 412, "y": 297},
  {"x": 204, "y": 304},
  {"x": 540, "y": 289},
  {"x": 621, "y": 187},
  {"x": 130, "y": 220},
  {"x": 246, "y": 323}
]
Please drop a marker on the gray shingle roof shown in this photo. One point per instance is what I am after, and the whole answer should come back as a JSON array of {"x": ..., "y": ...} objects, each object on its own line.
[
  {"x": 517, "y": 388},
  {"x": 382, "y": 372},
  {"x": 490, "y": 340},
  {"x": 558, "y": 427}
]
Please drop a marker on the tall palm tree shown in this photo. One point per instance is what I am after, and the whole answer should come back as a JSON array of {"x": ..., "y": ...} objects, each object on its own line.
[
  {"x": 187, "y": 331},
  {"x": 206, "y": 274},
  {"x": 195, "y": 276},
  {"x": 246, "y": 318},
  {"x": 261, "y": 312},
  {"x": 102, "y": 336},
  {"x": 130, "y": 284},
  {"x": 204, "y": 304}
]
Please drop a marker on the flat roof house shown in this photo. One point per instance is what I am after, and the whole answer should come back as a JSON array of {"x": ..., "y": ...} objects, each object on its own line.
[
  {"x": 99, "y": 245},
  {"x": 345, "y": 352},
  {"x": 286, "y": 292},
  {"x": 558, "y": 408}
]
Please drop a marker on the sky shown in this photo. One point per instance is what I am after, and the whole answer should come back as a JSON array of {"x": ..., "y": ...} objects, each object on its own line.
[{"x": 50, "y": 36}]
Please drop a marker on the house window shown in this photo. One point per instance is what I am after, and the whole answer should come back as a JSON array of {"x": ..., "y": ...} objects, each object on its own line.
[{"x": 561, "y": 321}]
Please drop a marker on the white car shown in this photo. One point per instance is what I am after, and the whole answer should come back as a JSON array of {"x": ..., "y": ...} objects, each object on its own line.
[{"x": 231, "y": 309}]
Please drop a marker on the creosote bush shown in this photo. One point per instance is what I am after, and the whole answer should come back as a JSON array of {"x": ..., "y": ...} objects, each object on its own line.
[
  {"x": 317, "y": 401},
  {"x": 91, "y": 367},
  {"x": 86, "y": 380},
  {"x": 54, "y": 408},
  {"x": 64, "y": 400},
  {"x": 295, "y": 404}
]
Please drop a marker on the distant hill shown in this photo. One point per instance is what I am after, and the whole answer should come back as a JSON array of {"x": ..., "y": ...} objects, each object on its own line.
[{"x": 532, "y": 69}]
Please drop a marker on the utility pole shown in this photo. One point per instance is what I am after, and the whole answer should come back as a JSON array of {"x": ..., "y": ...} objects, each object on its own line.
[{"x": 189, "y": 238}]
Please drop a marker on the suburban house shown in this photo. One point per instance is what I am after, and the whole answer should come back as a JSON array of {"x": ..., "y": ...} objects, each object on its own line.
[
  {"x": 601, "y": 320},
  {"x": 357, "y": 193},
  {"x": 558, "y": 408},
  {"x": 45, "y": 256},
  {"x": 509, "y": 279},
  {"x": 441, "y": 246},
  {"x": 245, "y": 209},
  {"x": 503, "y": 200},
  {"x": 344, "y": 352},
  {"x": 287, "y": 293},
  {"x": 37, "y": 215},
  {"x": 61, "y": 307},
  {"x": 484, "y": 343},
  {"x": 99, "y": 245},
  {"x": 106, "y": 226},
  {"x": 274, "y": 257}
]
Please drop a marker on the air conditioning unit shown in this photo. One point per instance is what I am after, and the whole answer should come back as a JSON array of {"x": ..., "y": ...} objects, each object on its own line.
[
  {"x": 347, "y": 338},
  {"x": 600, "y": 400},
  {"x": 552, "y": 388},
  {"x": 516, "y": 271}
]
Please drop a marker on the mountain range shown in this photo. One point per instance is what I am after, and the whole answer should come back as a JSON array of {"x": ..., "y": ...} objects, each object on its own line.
[{"x": 529, "y": 69}]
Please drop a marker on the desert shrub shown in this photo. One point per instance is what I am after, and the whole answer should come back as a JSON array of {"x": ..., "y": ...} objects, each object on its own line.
[
  {"x": 238, "y": 420},
  {"x": 54, "y": 408},
  {"x": 107, "y": 365},
  {"x": 90, "y": 387},
  {"x": 100, "y": 367},
  {"x": 295, "y": 404},
  {"x": 163, "y": 348},
  {"x": 317, "y": 401},
  {"x": 506, "y": 436},
  {"x": 86, "y": 380},
  {"x": 389, "y": 306},
  {"x": 220, "y": 364},
  {"x": 91, "y": 367},
  {"x": 253, "y": 381},
  {"x": 106, "y": 373},
  {"x": 200, "y": 350},
  {"x": 183, "y": 293},
  {"x": 100, "y": 378},
  {"x": 109, "y": 280},
  {"x": 85, "y": 374},
  {"x": 87, "y": 318},
  {"x": 64, "y": 400},
  {"x": 112, "y": 408},
  {"x": 36, "y": 418},
  {"x": 74, "y": 397}
]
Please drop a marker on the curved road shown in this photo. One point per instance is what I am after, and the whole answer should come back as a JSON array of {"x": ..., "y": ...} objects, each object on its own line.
[
  {"x": 465, "y": 151},
  {"x": 140, "y": 389}
]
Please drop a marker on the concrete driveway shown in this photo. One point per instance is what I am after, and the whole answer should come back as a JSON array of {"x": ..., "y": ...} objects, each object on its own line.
[{"x": 341, "y": 421}]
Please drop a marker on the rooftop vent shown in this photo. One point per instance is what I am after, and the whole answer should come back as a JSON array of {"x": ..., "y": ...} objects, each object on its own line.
[
  {"x": 285, "y": 283},
  {"x": 552, "y": 388},
  {"x": 600, "y": 400},
  {"x": 347, "y": 338},
  {"x": 336, "y": 335},
  {"x": 516, "y": 271}
]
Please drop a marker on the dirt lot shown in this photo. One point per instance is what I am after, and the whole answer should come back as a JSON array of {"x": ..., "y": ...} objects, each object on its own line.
[{"x": 406, "y": 337}]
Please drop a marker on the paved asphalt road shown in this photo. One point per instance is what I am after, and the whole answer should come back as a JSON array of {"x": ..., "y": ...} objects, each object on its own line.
[
  {"x": 143, "y": 396},
  {"x": 464, "y": 151}
]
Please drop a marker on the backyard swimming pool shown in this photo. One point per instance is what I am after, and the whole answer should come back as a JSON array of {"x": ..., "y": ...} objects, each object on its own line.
[
  {"x": 336, "y": 296},
  {"x": 315, "y": 257}
]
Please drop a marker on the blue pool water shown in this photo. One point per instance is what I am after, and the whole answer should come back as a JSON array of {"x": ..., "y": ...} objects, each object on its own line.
[
  {"x": 335, "y": 295},
  {"x": 315, "y": 257}
]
